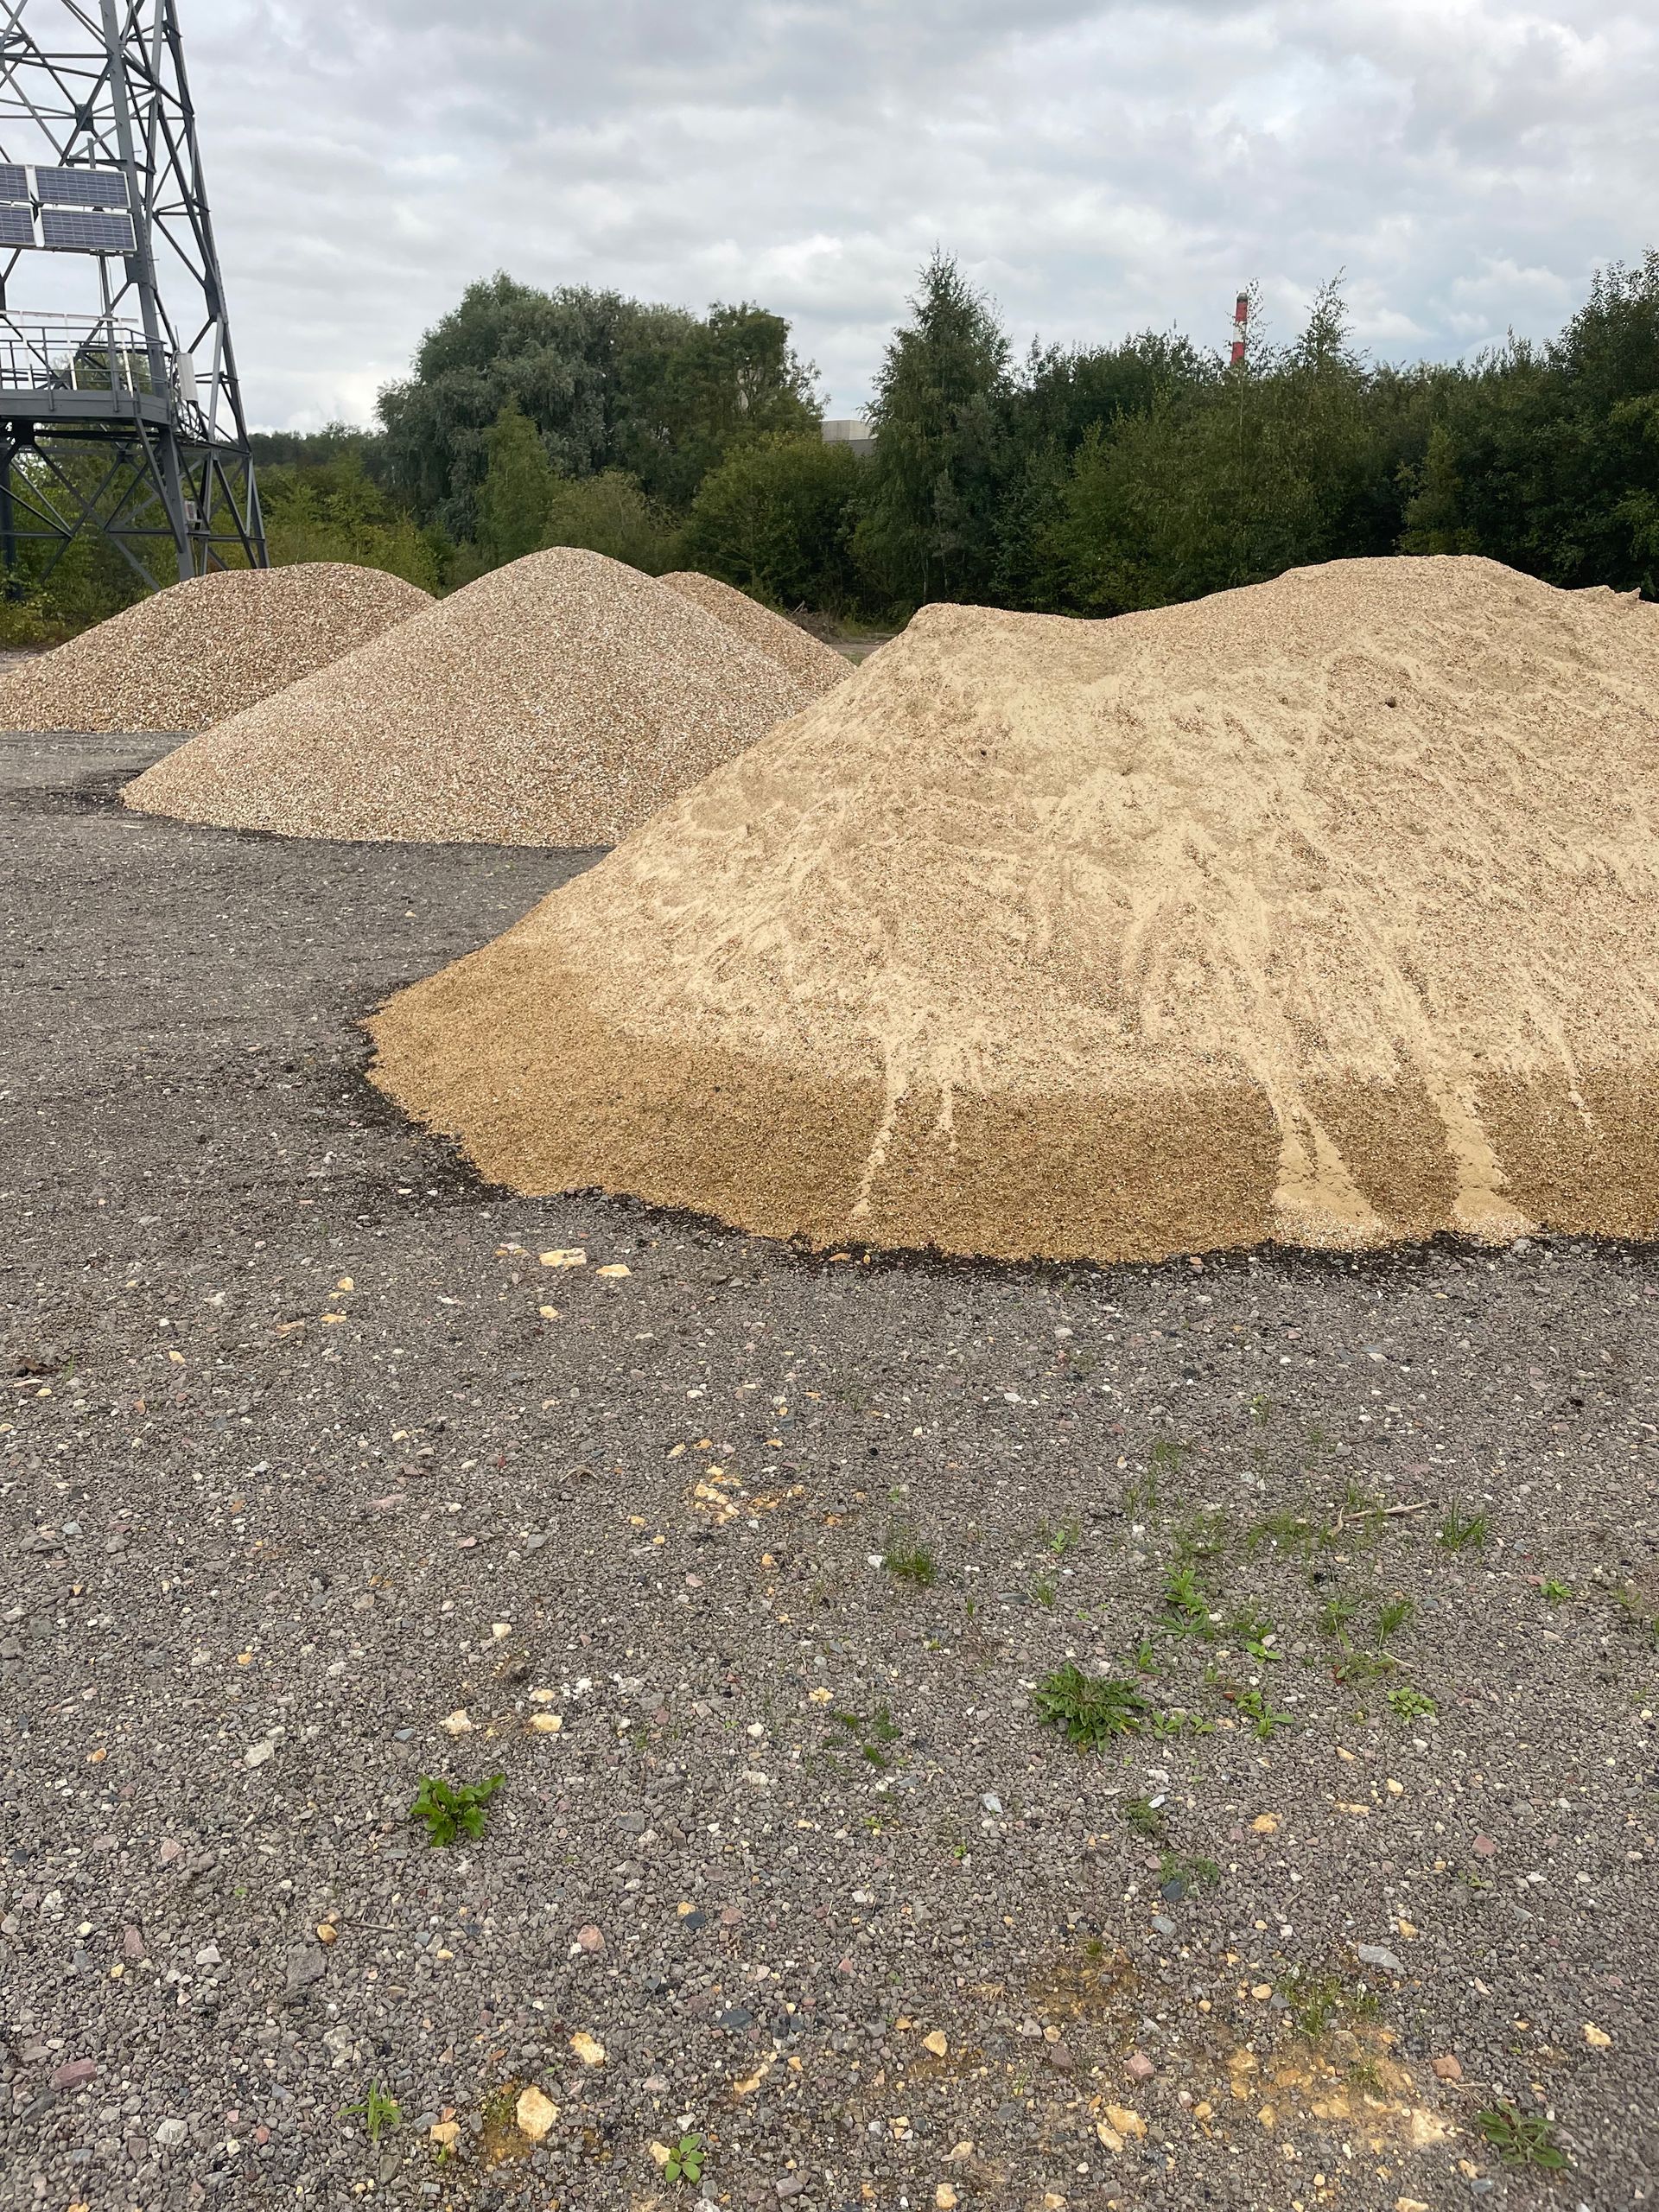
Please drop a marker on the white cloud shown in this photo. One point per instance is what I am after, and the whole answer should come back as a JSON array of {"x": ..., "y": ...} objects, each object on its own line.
[{"x": 1099, "y": 165}]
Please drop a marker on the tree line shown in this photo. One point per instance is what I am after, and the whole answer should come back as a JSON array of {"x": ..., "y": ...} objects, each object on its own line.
[{"x": 1070, "y": 479}]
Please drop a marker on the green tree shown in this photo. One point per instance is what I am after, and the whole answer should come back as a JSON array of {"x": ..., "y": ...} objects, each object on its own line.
[
  {"x": 609, "y": 513},
  {"x": 516, "y": 498},
  {"x": 1265, "y": 467},
  {"x": 776, "y": 519},
  {"x": 1548, "y": 458},
  {"x": 1063, "y": 397},
  {"x": 927, "y": 531},
  {"x": 605, "y": 382},
  {"x": 692, "y": 396},
  {"x": 330, "y": 510}
]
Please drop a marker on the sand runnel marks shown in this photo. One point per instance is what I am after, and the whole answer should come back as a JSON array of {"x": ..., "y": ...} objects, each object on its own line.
[
  {"x": 560, "y": 699},
  {"x": 1326, "y": 910}
]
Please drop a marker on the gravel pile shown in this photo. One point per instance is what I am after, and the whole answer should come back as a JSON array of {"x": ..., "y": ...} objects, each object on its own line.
[
  {"x": 804, "y": 656},
  {"x": 561, "y": 700},
  {"x": 1325, "y": 911},
  {"x": 203, "y": 650}
]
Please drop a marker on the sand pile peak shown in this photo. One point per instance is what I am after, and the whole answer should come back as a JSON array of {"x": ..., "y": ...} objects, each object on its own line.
[
  {"x": 1326, "y": 909},
  {"x": 804, "y": 656},
  {"x": 207, "y": 648},
  {"x": 560, "y": 699}
]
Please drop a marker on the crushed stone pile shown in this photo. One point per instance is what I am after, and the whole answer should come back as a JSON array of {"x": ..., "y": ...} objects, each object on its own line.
[
  {"x": 1326, "y": 911},
  {"x": 561, "y": 700},
  {"x": 795, "y": 649},
  {"x": 205, "y": 649}
]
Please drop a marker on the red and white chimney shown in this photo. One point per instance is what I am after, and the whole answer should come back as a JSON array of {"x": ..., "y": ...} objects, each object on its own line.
[{"x": 1241, "y": 321}]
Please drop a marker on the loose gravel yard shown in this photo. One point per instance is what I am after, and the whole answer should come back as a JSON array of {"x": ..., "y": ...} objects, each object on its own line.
[{"x": 754, "y": 1575}]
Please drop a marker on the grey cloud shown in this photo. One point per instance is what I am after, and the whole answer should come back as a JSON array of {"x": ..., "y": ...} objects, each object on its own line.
[{"x": 1098, "y": 167}]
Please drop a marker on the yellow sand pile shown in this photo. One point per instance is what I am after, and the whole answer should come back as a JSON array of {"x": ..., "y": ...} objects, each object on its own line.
[
  {"x": 804, "y": 656},
  {"x": 1326, "y": 910},
  {"x": 202, "y": 650},
  {"x": 561, "y": 700}
]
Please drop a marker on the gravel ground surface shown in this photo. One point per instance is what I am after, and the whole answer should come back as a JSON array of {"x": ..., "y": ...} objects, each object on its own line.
[{"x": 322, "y": 1473}]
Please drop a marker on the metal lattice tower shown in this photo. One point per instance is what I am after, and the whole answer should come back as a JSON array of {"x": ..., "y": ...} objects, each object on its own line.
[{"x": 120, "y": 413}]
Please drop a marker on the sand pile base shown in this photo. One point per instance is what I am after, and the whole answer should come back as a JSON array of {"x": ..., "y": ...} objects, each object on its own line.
[
  {"x": 560, "y": 701},
  {"x": 805, "y": 657},
  {"x": 1326, "y": 911},
  {"x": 205, "y": 649}
]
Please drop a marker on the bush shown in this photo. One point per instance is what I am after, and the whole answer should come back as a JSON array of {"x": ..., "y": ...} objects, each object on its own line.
[
  {"x": 776, "y": 520},
  {"x": 609, "y": 513},
  {"x": 331, "y": 511}
]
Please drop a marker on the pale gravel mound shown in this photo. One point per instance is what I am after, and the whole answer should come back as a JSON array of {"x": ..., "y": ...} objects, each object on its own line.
[
  {"x": 559, "y": 700},
  {"x": 798, "y": 650},
  {"x": 201, "y": 651},
  {"x": 1326, "y": 910}
]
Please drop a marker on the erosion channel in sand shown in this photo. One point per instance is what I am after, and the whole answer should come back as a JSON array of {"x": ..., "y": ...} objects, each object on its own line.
[{"x": 1325, "y": 910}]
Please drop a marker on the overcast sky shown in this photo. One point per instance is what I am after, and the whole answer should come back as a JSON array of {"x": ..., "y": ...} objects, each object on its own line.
[{"x": 1096, "y": 165}]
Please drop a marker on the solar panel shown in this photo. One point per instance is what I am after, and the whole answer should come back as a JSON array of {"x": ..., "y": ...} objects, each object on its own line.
[
  {"x": 17, "y": 227},
  {"x": 81, "y": 187},
  {"x": 75, "y": 230},
  {"x": 14, "y": 181}
]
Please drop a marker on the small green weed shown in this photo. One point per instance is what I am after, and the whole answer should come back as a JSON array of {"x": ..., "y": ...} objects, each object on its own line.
[
  {"x": 1458, "y": 1531},
  {"x": 1058, "y": 1541},
  {"x": 1261, "y": 1714},
  {"x": 1411, "y": 1705},
  {"x": 1553, "y": 1593},
  {"x": 1042, "y": 1590},
  {"x": 684, "y": 2161},
  {"x": 1201, "y": 1536},
  {"x": 1177, "y": 1875},
  {"x": 1313, "y": 2000},
  {"x": 1261, "y": 1409},
  {"x": 1186, "y": 1609},
  {"x": 1393, "y": 1617},
  {"x": 1521, "y": 2138},
  {"x": 907, "y": 1559},
  {"x": 1144, "y": 1817},
  {"x": 1091, "y": 1708},
  {"x": 873, "y": 1735},
  {"x": 1253, "y": 1629},
  {"x": 1334, "y": 1617},
  {"x": 378, "y": 2110},
  {"x": 1290, "y": 1532},
  {"x": 452, "y": 1811},
  {"x": 1168, "y": 1454},
  {"x": 1178, "y": 1723},
  {"x": 1146, "y": 1656}
]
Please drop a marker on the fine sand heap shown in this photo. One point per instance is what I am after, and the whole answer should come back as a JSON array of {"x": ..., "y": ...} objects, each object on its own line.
[
  {"x": 202, "y": 650},
  {"x": 1326, "y": 910},
  {"x": 559, "y": 700},
  {"x": 816, "y": 664}
]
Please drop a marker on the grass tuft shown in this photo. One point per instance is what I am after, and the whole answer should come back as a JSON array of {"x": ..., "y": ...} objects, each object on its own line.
[
  {"x": 907, "y": 1559},
  {"x": 1458, "y": 1531}
]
